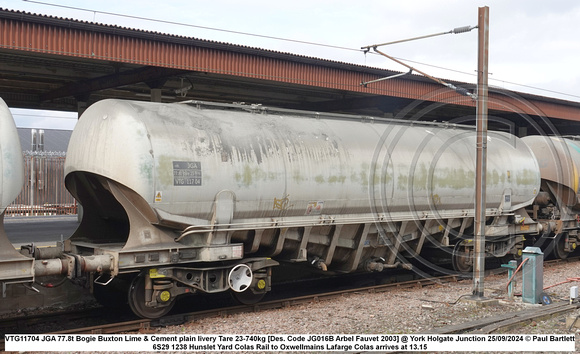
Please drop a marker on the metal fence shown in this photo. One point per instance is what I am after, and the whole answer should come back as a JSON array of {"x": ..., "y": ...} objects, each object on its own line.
[{"x": 43, "y": 192}]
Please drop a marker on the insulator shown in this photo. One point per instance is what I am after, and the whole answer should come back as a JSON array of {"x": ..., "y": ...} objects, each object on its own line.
[
  {"x": 462, "y": 91},
  {"x": 462, "y": 29}
]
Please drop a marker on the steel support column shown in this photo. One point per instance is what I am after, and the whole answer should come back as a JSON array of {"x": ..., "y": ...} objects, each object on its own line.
[{"x": 481, "y": 158}]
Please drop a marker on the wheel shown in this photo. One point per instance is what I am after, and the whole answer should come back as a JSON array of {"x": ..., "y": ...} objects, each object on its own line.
[
  {"x": 136, "y": 299},
  {"x": 239, "y": 279},
  {"x": 461, "y": 258},
  {"x": 559, "y": 247},
  {"x": 247, "y": 297}
]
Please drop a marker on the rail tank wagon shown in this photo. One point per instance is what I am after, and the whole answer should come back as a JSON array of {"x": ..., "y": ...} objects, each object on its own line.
[
  {"x": 207, "y": 197},
  {"x": 14, "y": 267},
  {"x": 557, "y": 206}
]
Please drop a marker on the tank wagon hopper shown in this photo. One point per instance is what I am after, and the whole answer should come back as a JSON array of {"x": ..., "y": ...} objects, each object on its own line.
[
  {"x": 557, "y": 206},
  {"x": 200, "y": 197},
  {"x": 14, "y": 267}
]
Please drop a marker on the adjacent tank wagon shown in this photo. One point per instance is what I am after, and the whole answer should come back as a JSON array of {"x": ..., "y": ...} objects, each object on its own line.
[
  {"x": 557, "y": 206},
  {"x": 14, "y": 267}
]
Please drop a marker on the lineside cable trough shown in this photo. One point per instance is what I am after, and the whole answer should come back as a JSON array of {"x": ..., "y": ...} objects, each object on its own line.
[{"x": 460, "y": 90}]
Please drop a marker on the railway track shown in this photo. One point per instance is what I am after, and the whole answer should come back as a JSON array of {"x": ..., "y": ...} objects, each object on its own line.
[
  {"x": 145, "y": 324},
  {"x": 262, "y": 306},
  {"x": 136, "y": 325}
]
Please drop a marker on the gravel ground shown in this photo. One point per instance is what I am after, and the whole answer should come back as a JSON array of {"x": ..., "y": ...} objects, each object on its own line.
[{"x": 399, "y": 311}]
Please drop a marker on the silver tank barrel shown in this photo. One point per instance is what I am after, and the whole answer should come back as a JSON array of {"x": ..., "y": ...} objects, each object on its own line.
[
  {"x": 559, "y": 163},
  {"x": 14, "y": 267},
  {"x": 11, "y": 160},
  {"x": 261, "y": 164}
]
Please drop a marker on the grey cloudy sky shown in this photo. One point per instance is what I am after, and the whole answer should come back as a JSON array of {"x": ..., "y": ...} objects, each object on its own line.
[{"x": 534, "y": 45}]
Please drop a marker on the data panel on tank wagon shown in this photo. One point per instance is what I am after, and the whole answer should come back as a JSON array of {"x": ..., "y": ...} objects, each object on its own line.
[{"x": 187, "y": 173}]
